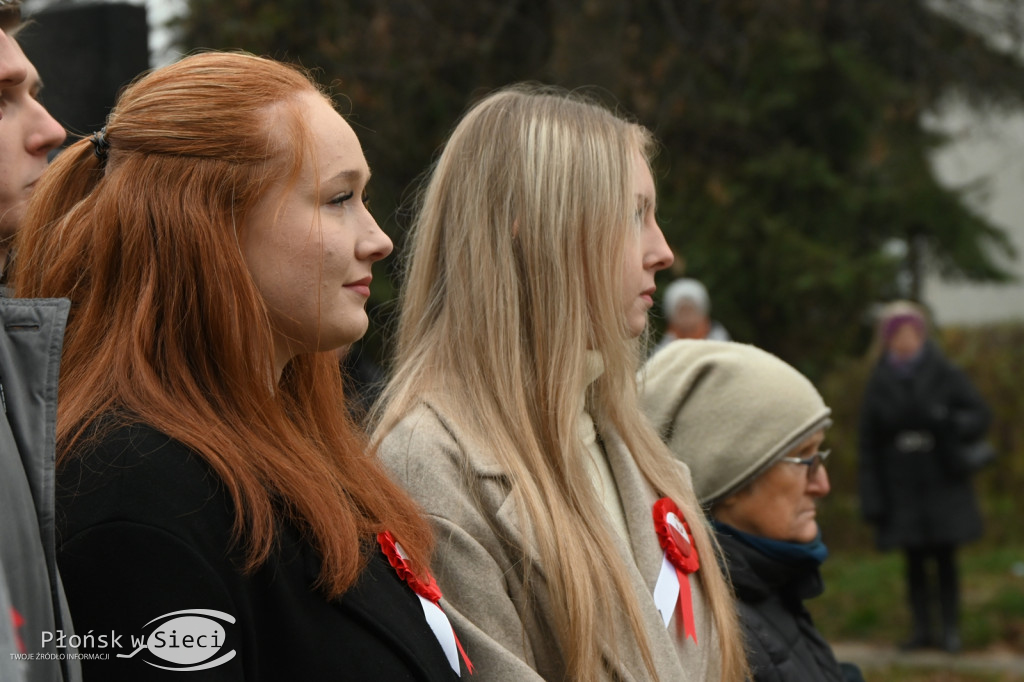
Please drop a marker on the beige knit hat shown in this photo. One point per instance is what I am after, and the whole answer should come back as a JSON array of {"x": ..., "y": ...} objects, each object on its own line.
[{"x": 728, "y": 410}]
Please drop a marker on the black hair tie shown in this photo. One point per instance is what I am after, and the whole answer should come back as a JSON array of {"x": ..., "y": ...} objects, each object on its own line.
[{"x": 100, "y": 144}]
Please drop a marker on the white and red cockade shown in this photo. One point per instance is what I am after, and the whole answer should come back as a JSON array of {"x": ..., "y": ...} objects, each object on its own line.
[
  {"x": 429, "y": 595},
  {"x": 678, "y": 563}
]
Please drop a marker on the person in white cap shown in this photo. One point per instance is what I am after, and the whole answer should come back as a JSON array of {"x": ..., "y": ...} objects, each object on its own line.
[
  {"x": 687, "y": 310},
  {"x": 751, "y": 428}
]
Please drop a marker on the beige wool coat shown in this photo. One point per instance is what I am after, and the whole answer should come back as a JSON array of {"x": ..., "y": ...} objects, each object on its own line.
[{"x": 504, "y": 624}]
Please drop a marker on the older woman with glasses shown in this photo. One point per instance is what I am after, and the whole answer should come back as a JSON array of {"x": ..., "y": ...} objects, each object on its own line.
[{"x": 751, "y": 429}]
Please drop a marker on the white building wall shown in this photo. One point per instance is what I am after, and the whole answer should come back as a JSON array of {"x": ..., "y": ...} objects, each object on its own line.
[{"x": 989, "y": 146}]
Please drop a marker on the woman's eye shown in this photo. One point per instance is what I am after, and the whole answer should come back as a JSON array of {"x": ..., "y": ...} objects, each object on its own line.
[
  {"x": 340, "y": 199},
  {"x": 365, "y": 199},
  {"x": 642, "y": 207}
]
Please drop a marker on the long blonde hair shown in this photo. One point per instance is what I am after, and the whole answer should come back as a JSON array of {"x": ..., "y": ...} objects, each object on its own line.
[{"x": 514, "y": 273}]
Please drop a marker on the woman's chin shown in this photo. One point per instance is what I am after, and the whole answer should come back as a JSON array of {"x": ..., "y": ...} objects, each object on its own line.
[{"x": 808, "y": 533}]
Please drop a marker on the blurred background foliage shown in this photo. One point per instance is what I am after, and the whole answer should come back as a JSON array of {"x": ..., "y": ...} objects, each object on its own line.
[
  {"x": 794, "y": 180},
  {"x": 795, "y": 153}
]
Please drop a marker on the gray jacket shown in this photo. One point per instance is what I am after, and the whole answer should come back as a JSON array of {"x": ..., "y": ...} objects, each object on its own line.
[{"x": 32, "y": 603}]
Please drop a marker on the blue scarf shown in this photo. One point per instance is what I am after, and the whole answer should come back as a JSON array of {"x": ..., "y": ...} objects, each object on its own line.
[{"x": 790, "y": 552}]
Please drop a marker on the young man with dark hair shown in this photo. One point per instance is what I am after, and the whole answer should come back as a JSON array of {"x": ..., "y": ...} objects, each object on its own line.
[{"x": 33, "y": 612}]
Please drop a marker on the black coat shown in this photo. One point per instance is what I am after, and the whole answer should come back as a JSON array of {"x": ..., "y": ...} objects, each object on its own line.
[
  {"x": 782, "y": 643},
  {"x": 145, "y": 530},
  {"x": 911, "y": 427}
]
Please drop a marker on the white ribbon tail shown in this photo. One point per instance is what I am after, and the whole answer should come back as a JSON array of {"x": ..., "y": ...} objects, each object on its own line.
[
  {"x": 442, "y": 629},
  {"x": 666, "y": 590}
]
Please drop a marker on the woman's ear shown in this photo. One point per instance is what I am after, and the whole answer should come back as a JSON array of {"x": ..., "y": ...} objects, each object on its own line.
[
  {"x": 722, "y": 509},
  {"x": 722, "y": 505}
]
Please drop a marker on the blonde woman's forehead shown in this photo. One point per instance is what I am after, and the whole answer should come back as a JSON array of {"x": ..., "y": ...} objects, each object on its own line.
[{"x": 643, "y": 179}]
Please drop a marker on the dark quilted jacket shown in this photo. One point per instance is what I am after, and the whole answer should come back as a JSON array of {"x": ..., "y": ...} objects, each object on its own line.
[
  {"x": 911, "y": 427},
  {"x": 782, "y": 643}
]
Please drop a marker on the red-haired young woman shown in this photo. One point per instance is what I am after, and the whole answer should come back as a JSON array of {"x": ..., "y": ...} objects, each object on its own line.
[{"x": 217, "y": 510}]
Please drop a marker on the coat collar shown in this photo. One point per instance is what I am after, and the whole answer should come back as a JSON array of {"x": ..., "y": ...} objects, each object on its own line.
[
  {"x": 642, "y": 555},
  {"x": 30, "y": 351},
  {"x": 638, "y": 499},
  {"x": 637, "y": 495},
  {"x": 756, "y": 576}
]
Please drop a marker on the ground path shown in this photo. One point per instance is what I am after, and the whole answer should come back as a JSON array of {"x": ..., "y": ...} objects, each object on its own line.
[{"x": 872, "y": 656}]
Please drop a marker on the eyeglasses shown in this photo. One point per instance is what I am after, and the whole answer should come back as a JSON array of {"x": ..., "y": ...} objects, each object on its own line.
[{"x": 813, "y": 463}]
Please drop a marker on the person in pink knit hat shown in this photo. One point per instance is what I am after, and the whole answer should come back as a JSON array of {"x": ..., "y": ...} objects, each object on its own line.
[{"x": 919, "y": 414}]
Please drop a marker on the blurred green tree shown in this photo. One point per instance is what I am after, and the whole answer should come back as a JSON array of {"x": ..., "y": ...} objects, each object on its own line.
[{"x": 795, "y": 148}]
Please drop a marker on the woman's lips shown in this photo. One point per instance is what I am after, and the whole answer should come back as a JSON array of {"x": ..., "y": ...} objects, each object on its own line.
[{"x": 361, "y": 287}]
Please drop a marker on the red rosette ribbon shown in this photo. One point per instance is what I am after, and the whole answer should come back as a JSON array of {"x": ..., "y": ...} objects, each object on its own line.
[
  {"x": 676, "y": 539},
  {"x": 426, "y": 588}
]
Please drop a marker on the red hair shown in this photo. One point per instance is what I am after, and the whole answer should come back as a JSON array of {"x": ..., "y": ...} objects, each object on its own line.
[{"x": 167, "y": 327}]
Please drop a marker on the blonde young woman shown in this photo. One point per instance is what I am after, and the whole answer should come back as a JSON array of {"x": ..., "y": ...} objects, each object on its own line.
[{"x": 512, "y": 415}]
